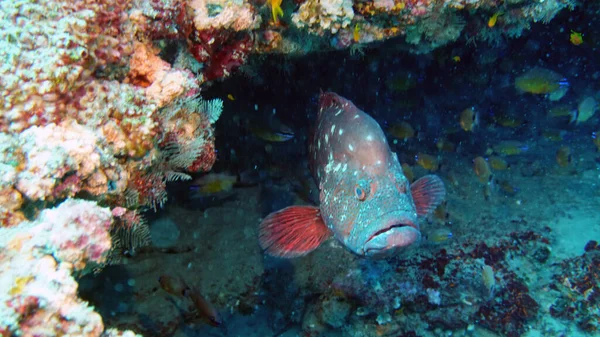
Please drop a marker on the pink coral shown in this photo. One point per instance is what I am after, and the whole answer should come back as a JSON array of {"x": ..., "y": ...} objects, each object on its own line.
[
  {"x": 38, "y": 260},
  {"x": 163, "y": 84},
  {"x": 221, "y": 51},
  {"x": 45, "y": 69},
  {"x": 61, "y": 160}
]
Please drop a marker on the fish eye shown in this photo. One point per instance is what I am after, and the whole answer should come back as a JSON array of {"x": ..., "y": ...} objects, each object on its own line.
[
  {"x": 362, "y": 190},
  {"x": 360, "y": 193}
]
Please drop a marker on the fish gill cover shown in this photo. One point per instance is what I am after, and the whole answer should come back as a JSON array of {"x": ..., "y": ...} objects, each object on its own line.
[{"x": 118, "y": 117}]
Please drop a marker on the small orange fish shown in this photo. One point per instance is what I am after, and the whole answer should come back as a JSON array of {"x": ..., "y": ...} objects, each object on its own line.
[
  {"x": 468, "y": 119},
  {"x": 576, "y": 38},
  {"x": 508, "y": 188},
  {"x": 172, "y": 285},
  {"x": 230, "y": 97},
  {"x": 408, "y": 172},
  {"x": 563, "y": 156},
  {"x": 427, "y": 162},
  {"x": 498, "y": 163},
  {"x": 402, "y": 130},
  {"x": 441, "y": 213},
  {"x": 206, "y": 310},
  {"x": 482, "y": 170},
  {"x": 445, "y": 145}
]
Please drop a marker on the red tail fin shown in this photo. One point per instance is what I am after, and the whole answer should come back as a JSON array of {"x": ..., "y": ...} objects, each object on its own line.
[
  {"x": 293, "y": 231},
  {"x": 427, "y": 192}
]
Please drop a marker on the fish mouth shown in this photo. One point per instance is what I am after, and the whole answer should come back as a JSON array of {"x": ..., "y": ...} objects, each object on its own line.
[{"x": 396, "y": 235}]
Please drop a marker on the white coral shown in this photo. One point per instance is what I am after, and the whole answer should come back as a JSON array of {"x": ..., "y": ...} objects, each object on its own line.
[
  {"x": 324, "y": 15},
  {"x": 35, "y": 276}
]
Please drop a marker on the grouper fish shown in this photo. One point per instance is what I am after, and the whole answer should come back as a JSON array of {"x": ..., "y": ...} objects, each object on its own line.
[{"x": 366, "y": 202}]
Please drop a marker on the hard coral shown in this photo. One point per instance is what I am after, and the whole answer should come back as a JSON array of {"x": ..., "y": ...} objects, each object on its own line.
[
  {"x": 50, "y": 51},
  {"x": 38, "y": 259},
  {"x": 61, "y": 160},
  {"x": 221, "y": 51},
  {"x": 321, "y": 17},
  {"x": 163, "y": 84},
  {"x": 223, "y": 15}
]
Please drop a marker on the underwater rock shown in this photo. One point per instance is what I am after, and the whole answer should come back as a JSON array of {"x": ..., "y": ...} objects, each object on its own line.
[
  {"x": 335, "y": 311},
  {"x": 164, "y": 232}
]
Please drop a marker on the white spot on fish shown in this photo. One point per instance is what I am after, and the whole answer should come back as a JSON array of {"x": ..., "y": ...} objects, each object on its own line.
[
  {"x": 332, "y": 129},
  {"x": 350, "y": 147},
  {"x": 326, "y": 138},
  {"x": 345, "y": 168},
  {"x": 319, "y": 144},
  {"x": 378, "y": 162},
  {"x": 356, "y": 116},
  {"x": 341, "y": 131},
  {"x": 339, "y": 112},
  {"x": 369, "y": 137}
]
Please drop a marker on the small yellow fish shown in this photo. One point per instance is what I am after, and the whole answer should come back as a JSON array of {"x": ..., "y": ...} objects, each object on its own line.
[
  {"x": 576, "y": 38},
  {"x": 509, "y": 148},
  {"x": 561, "y": 111},
  {"x": 356, "y": 33},
  {"x": 487, "y": 191},
  {"x": 554, "y": 135},
  {"x": 445, "y": 145},
  {"x": 213, "y": 183},
  {"x": 508, "y": 121},
  {"x": 456, "y": 58},
  {"x": 507, "y": 188},
  {"x": 230, "y": 97},
  {"x": 440, "y": 235},
  {"x": 402, "y": 130},
  {"x": 540, "y": 81},
  {"x": 585, "y": 110},
  {"x": 596, "y": 139},
  {"x": 482, "y": 170},
  {"x": 498, "y": 163},
  {"x": 402, "y": 82},
  {"x": 408, "y": 172},
  {"x": 427, "y": 162},
  {"x": 563, "y": 156},
  {"x": 441, "y": 213},
  {"x": 270, "y": 135},
  {"x": 452, "y": 179},
  {"x": 494, "y": 19},
  {"x": 468, "y": 119},
  {"x": 276, "y": 10}
]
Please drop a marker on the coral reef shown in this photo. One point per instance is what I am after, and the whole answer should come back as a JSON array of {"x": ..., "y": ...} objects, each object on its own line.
[
  {"x": 92, "y": 108},
  {"x": 38, "y": 261}
]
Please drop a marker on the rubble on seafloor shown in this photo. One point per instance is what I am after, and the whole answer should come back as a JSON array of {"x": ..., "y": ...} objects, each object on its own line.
[{"x": 91, "y": 109}]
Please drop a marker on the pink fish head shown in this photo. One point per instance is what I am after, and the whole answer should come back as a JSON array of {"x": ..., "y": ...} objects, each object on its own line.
[{"x": 365, "y": 198}]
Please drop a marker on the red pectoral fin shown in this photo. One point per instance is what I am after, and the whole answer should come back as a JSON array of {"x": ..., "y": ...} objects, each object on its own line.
[
  {"x": 427, "y": 192},
  {"x": 293, "y": 231}
]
